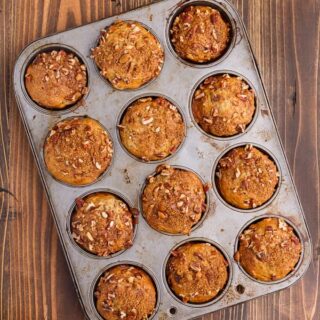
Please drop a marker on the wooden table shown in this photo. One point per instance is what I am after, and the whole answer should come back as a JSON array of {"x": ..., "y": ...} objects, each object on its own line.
[{"x": 34, "y": 279}]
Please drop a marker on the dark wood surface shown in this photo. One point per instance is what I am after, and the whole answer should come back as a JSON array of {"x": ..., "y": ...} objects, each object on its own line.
[{"x": 34, "y": 279}]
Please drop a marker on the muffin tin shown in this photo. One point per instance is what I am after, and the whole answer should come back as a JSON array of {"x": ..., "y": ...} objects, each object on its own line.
[{"x": 199, "y": 152}]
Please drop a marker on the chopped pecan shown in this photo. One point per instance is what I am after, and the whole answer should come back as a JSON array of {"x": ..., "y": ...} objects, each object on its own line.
[{"x": 79, "y": 203}]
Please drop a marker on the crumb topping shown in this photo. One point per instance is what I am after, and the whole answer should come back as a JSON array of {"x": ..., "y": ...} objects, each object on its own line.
[
  {"x": 200, "y": 34},
  {"x": 56, "y": 79},
  {"x": 128, "y": 55},
  {"x": 78, "y": 150},
  {"x": 269, "y": 249},
  {"x": 197, "y": 272},
  {"x": 152, "y": 128},
  {"x": 102, "y": 224},
  {"x": 223, "y": 105},
  {"x": 173, "y": 200},
  {"x": 125, "y": 292},
  {"x": 246, "y": 177}
]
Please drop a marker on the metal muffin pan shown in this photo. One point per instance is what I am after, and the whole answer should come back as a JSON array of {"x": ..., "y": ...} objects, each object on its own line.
[{"x": 199, "y": 152}]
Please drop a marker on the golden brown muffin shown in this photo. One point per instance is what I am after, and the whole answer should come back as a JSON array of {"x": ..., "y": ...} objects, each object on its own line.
[
  {"x": 246, "y": 177},
  {"x": 102, "y": 224},
  {"x": 223, "y": 106},
  {"x": 197, "y": 272},
  {"x": 269, "y": 249},
  {"x": 173, "y": 200},
  {"x": 125, "y": 292},
  {"x": 200, "y": 34},
  {"x": 56, "y": 79},
  {"x": 152, "y": 129},
  {"x": 78, "y": 151},
  {"x": 128, "y": 55}
]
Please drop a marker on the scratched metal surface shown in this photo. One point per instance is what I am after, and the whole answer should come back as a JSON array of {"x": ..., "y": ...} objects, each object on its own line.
[{"x": 199, "y": 153}]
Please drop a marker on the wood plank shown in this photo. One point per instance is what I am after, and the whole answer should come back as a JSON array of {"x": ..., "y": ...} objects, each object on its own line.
[{"x": 34, "y": 279}]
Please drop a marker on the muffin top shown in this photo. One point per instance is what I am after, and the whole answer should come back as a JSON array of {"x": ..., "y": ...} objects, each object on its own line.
[
  {"x": 200, "y": 34},
  {"x": 128, "y": 55},
  {"x": 173, "y": 200},
  {"x": 77, "y": 151},
  {"x": 269, "y": 249},
  {"x": 125, "y": 292},
  {"x": 246, "y": 177},
  {"x": 56, "y": 79},
  {"x": 223, "y": 105},
  {"x": 102, "y": 224},
  {"x": 197, "y": 272},
  {"x": 152, "y": 128}
]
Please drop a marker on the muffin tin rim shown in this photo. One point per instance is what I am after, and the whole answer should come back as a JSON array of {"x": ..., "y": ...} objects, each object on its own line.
[
  {"x": 296, "y": 231},
  {"x": 217, "y": 246},
  {"x": 256, "y": 100},
  {"x": 204, "y": 214},
  {"x": 151, "y": 94},
  {"x": 51, "y": 111},
  {"x": 133, "y": 263},
  {"x": 102, "y": 175},
  {"x": 77, "y": 246},
  {"x": 97, "y": 69},
  {"x": 265, "y": 151},
  {"x": 224, "y": 13}
]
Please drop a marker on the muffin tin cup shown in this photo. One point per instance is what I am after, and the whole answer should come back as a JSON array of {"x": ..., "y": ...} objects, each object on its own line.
[
  {"x": 147, "y": 83},
  {"x": 51, "y": 111},
  {"x": 71, "y": 211},
  {"x": 226, "y": 17},
  {"x": 221, "y": 293},
  {"x": 204, "y": 214},
  {"x": 126, "y": 175},
  {"x": 123, "y": 112},
  {"x": 295, "y": 230},
  {"x": 130, "y": 263},
  {"x": 226, "y": 138},
  {"x": 264, "y": 151},
  {"x": 80, "y": 185}
]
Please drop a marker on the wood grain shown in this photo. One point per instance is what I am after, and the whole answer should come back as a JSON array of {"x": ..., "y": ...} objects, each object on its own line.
[{"x": 34, "y": 279}]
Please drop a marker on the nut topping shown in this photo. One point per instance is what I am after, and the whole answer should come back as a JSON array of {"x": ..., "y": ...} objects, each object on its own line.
[
  {"x": 195, "y": 267},
  {"x": 123, "y": 55},
  {"x": 90, "y": 236},
  {"x": 104, "y": 215},
  {"x": 147, "y": 121},
  {"x": 271, "y": 245}
]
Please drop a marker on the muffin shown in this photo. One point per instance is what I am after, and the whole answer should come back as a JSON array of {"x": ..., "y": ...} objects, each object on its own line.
[
  {"x": 56, "y": 79},
  {"x": 223, "y": 105},
  {"x": 78, "y": 151},
  {"x": 152, "y": 128},
  {"x": 125, "y": 292},
  {"x": 199, "y": 34},
  {"x": 102, "y": 224},
  {"x": 246, "y": 177},
  {"x": 268, "y": 249},
  {"x": 173, "y": 200},
  {"x": 128, "y": 55},
  {"x": 197, "y": 272}
]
